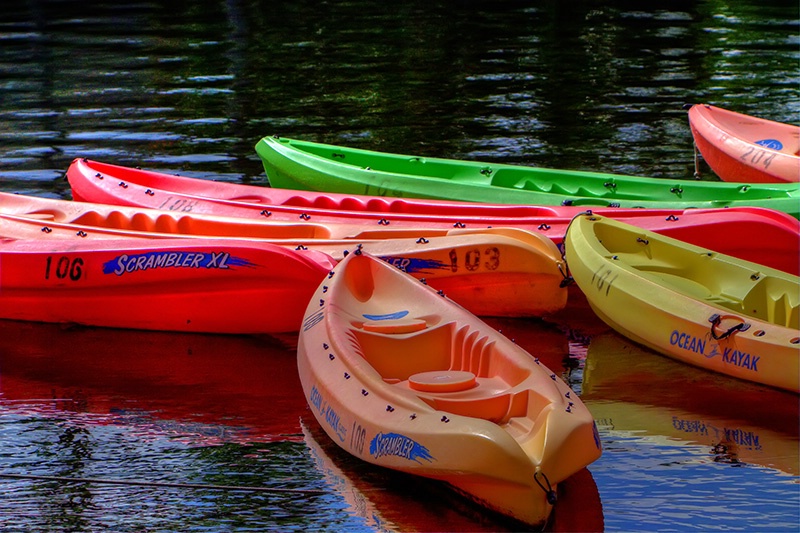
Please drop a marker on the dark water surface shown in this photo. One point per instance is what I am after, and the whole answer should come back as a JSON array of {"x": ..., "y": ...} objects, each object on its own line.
[{"x": 190, "y": 86}]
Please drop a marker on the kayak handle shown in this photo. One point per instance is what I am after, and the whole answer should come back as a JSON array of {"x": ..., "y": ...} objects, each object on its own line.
[
  {"x": 552, "y": 497},
  {"x": 715, "y": 319}
]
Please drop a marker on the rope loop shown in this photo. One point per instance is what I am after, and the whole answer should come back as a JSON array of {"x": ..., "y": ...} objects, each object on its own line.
[{"x": 552, "y": 497}]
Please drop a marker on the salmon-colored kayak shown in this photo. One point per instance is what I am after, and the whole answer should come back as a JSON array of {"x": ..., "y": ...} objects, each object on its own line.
[
  {"x": 404, "y": 379},
  {"x": 491, "y": 271},
  {"x": 755, "y": 234},
  {"x": 742, "y": 148},
  {"x": 202, "y": 285}
]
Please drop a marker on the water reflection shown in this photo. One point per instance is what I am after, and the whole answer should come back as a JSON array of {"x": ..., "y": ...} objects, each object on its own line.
[
  {"x": 576, "y": 85},
  {"x": 181, "y": 385},
  {"x": 631, "y": 388},
  {"x": 97, "y": 403}
]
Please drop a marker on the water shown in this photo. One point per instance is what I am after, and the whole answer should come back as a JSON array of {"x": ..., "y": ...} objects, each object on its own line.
[{"x": 189, "y": 87}]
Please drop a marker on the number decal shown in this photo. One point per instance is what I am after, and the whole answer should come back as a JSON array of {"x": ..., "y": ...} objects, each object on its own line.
[
  {"x": 473, "y": 260},
  {"x": 64, "y": 267},
  {"x": 179, "y": 204},
  {"x": 473, "y": 257},
  {"x": 453, "y": 261},
  {"x": 492, "y": 258},
  {"x": 357, "y": 438},
  {"x": 603, "y": 280},
  {"x": 756, "y": 156}
]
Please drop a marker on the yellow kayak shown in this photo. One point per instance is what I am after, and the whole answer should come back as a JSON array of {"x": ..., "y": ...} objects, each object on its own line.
[
  {"x": 490, "y": 271},
  {"x": 403, "y": 378},
  {"x": 700, "y": 307}
]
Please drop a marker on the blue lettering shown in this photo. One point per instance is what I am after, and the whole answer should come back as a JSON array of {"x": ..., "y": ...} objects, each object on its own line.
[
  {"x": 701, "y": 346},
  {"x": 687, "y": 342},
  {"x": 412, "y": 264},
  {"x": 743, "y": 438},
  {"x": 120, "y": 265},
  {"x": 152, "y": 260},
  {"x": 398, "y": 445},
  {"x": 729, "y": 355},
  {"x": 328, "y": 414}
]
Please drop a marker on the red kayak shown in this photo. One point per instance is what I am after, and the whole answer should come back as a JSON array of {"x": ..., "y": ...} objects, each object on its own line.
[
  {"x": 199, "y": 285},
  {"x": 756, "y": 234},
  {"x": 742, "y": 148},
  {"x": 490, "y": 271}
]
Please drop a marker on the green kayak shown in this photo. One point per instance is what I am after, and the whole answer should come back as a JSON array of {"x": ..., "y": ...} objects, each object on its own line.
[{"x": 303, "y": 165}]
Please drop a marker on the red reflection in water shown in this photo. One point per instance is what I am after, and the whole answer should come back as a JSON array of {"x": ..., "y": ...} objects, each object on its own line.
[
  {"x": 248, "y": 388},
  {"x": 245, "y": 382}
]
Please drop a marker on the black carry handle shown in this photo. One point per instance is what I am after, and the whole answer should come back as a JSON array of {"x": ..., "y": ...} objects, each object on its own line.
[{"x": 715, "y": 319}]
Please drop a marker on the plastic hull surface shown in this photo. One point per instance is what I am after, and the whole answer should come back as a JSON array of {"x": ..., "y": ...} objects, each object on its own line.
[
  {"x": 741, "y": 148},
  {"x": 714, "y": 311},
  {"x": 747, "y": 232},
  {"x": 401, "y": 377}
]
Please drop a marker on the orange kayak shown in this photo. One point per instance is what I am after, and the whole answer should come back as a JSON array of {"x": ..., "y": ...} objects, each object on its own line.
[
  {"x": 202, "y": 285},
  {"x": 742, "y": 148},
  {"x": 755, "y": 234},
  {"x": 490, "y": 271},
  {"x": 403, "y": 378}
]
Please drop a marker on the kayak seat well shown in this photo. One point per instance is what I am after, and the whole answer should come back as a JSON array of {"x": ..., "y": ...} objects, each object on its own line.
[
  {"x": 122, "y": 221},
  {"x": 188, "y": 225},
  {"x": 774, "y": 302},
  {"x": 400, "y": 358},
  {"x": 515, "y": 179},
  {"x": 511, "y": 178}
]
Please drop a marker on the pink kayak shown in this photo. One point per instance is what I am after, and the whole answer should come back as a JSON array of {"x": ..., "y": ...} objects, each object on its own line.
[
  {"x": 756, "y": 234},
  {"x": 748, "y": 149}
]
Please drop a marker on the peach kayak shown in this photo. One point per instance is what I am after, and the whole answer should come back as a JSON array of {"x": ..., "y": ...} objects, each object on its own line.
[{"x": 403, "y": 378}]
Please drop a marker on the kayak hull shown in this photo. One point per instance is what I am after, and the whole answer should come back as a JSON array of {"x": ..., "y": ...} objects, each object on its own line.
[
  {"x": 741, "y": 148},
  {"x": 750, "y": 233},
  {"x": 713, "y": 311},
  {"x": 400, "y": 377},
  {"x": 296, "y": 164},
  {"x": 491, "y": 271},
  {"x": 170, "y": 285}
]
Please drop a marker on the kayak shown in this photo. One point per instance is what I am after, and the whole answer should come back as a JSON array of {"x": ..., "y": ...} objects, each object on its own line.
[
  {"x": 296, "y": 164},
  {"x": 628, "y": 389},
  {"x": 403, "y": 378},
  {"x": 756, "y": 234},
  {"x": 490, "y": 271},
  {"x": 742, "y": 148},
  {"x": 707, "y": 309},
  {"x": 200, "y": 285}
]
